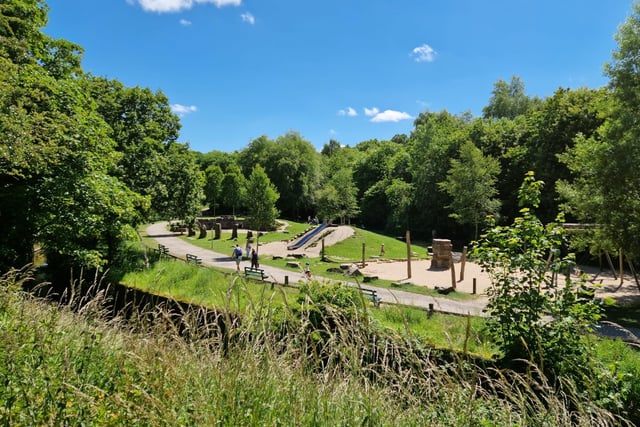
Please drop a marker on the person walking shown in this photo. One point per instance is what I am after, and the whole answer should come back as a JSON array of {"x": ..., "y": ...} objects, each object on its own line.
[
  {"x": 254, "y": 259},
  {"x": 237, "y": 256}
]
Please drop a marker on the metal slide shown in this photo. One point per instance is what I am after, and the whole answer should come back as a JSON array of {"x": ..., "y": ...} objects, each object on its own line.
[{"x": 308, "y": 236}]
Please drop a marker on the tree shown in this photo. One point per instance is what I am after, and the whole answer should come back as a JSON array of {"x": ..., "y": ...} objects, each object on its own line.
[
  {"x": 146, "y": 132},
  {"x": 532, "y": 317},
  {"x": 55, "y": 153},
  {"x": 471, "y": 185},
  {"x": 400, "y": 196},
  {"x": 261, "y": 200},
  {"x": 293, "y": 166},
  {"x": 338, "y": 199},
  {"x": 605, "y": 189},
  {"x": 213, "y": 186},
  {"x": 508, "y": 100},
  {"x": 234, "y": 187},
  {"x": 184, "y": 183},
  {"x": 435, "y": 139}
]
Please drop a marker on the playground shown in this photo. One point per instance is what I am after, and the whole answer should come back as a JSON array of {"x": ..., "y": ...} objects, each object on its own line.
[{"x": 419, "y": 272}]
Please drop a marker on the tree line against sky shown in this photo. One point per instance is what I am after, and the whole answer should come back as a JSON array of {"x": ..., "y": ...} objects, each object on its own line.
[{"x": 85, "y": 159}]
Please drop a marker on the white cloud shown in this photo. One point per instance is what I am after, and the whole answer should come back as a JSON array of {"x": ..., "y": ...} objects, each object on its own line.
[
  {"x": 351, "y": 112},
  {"x": 247, "y": 17},
  {"x": 185, "y": 22},
  {"x": 182, "y": 110},
  {"x": 178, "y": 5},
  {"x": 371, "y": 111},
  {"x": 424, "y": 53},
  {"x": 390, "y": 116}
]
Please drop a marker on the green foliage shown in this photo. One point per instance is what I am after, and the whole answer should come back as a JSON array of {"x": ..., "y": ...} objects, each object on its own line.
[
  {"x": 234, "y": 187},
  {"x": 213, "y": 186},
  {"x": 337, "y": 199},
  {"x": 435, "y": 140},
  {"x": 532, "y": 317},
  {"x": 64, "y": 368},
  {"x": 471, "y": 185},
  {"x": 607, "y": 179},
  {"x": 261, "y": 199},
  {"x": 293, "y": 166},
  {"x": 508, "y": 100}
]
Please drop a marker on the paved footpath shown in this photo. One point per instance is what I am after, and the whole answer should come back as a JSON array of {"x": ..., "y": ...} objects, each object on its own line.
[{"x": 180, "y": 248}]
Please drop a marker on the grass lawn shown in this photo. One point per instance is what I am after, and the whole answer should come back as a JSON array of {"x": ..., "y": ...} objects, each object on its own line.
[
  {"x": 212, "y": 288},
  {"x": 205, "y": 286}
]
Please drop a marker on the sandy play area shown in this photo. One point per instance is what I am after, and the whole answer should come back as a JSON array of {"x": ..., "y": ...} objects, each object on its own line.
[{"x": 420, "y": 273}]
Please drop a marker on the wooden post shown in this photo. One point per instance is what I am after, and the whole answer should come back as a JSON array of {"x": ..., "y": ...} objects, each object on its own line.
[
  {"x": 462, "y": 262},
  {"x": 322, "y": 251},
  {"x": 408, "y": 239},
  {"x": 620, "y": 256},
  {"x": 286, "y": 280},
  {"x": 363, "y": 250},
  {"x": 453, "y": 272},
  {"x": 474, "y": 286}
]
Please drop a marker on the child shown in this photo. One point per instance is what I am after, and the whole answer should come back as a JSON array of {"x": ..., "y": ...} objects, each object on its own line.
[{"x": 307, "y": 271}]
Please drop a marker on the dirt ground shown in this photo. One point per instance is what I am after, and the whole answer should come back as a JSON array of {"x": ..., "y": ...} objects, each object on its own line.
[{"x": 419, "y": 272}]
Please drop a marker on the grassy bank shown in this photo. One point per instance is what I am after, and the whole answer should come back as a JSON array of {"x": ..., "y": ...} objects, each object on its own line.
[{"x": 83, "y": 368}]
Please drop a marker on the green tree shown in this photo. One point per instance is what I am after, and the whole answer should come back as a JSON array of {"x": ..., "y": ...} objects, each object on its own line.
[
  {"x": 213, "y": 186},
  {"x": 435, "y": 139},
  {"x": 261, "y": 197},
  {"x": 508, "y": 100},
  {"x": 234, "y": 187},
  {"x": 146, "y": 132},
  {"x": 183, "y": 182},
  {"x": 338, "y": 199},
  {"x": 55, "y": 153},
  {"x": 293, "y": 166},
  {"x": 532, "y": 317},
  {"x": 400, "y": 197},
  {"x": 605, "y": 188},
  {"x": 470, "y": 184}
]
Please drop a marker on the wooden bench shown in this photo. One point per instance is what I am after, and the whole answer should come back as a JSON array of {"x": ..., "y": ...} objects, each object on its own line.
[
  {"x": 371, "y": 295},
  {"x": 193, "y": 259},
  {"x": 162, "y": 250},
  {"x": 256, "y": 273}
]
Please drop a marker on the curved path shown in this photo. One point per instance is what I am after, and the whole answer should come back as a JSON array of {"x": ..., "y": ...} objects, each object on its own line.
[{"x": 179, "y": 248}]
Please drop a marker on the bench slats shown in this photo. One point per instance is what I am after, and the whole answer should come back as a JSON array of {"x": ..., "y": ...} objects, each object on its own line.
[{"x": 255, "y": 272}]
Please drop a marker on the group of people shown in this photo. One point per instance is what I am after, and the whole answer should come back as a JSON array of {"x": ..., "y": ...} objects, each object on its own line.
[{"x": 237, "y": 256}]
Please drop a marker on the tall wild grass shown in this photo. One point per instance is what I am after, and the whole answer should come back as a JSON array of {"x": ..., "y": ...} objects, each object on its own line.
[{"x": 316, "y": 362}]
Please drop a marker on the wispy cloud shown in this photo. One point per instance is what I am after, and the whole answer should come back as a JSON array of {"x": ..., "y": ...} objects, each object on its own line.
[
  {"x": 390, "y": 116},
  {"x": 183, "y": 110},
  {"x": 424, "y": 53},
  {"x": 247, "y": 17},
  {"x": 178, "y": 5},
  {"x": 185, "y": 22},
  {"x": 371, "y": 111},
  {"x": 351, "y": 112}
]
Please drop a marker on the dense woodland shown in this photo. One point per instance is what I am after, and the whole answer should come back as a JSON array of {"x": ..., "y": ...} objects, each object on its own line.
[{"x": 84, "y": 159}]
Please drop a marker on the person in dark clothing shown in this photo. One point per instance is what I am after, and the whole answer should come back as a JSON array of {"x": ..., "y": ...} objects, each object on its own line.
[{"x": 254, "y": 259}]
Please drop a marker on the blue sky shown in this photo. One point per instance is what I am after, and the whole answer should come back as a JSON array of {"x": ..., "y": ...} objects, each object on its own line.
[{"x": 348, "y": 70}]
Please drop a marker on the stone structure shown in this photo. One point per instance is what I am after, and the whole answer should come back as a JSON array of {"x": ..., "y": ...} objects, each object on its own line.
[{"x": 441, "y": 253}]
